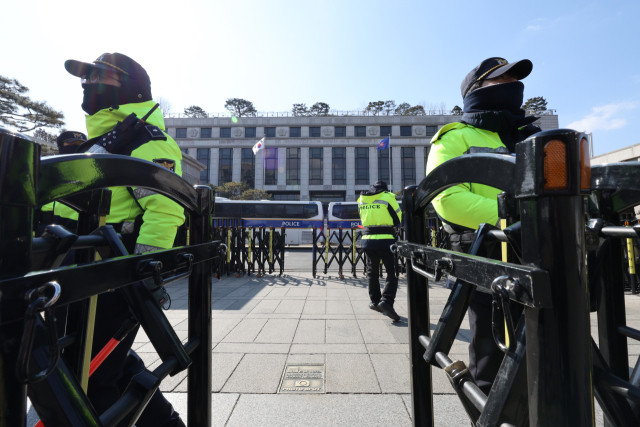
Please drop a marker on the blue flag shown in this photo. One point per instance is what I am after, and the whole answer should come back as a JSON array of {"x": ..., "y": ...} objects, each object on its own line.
[{"x": 384, "y": 144}]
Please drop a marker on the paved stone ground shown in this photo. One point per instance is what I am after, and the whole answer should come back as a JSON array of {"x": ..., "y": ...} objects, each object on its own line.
[{"x": 260, "y": 324}]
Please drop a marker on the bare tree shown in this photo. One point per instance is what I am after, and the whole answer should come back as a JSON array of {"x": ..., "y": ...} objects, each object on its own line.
[
  {"x": 165, "y": 105},
  {"x": 432, "y": 108},
  {"x": 389, "y": 107},
  {"x": 442, "y": 108}
]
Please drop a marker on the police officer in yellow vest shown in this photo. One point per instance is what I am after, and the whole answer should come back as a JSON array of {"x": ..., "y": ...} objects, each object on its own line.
[
  {"x": 492, "y": 122},
  {"x": 379, "y": 213},
  {"x": 117, "y": 94}
]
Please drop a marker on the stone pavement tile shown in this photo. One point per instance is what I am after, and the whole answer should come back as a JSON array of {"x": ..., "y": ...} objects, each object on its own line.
[
  {"x": 328, "y": 348},
  {"x": 256, "y": 373},
  {"x": 221, "y": 327},
  {"x": 362, "y": 307},
  {"x": 231, "y": 347},
  {"x": 317, "y": 291},
  {"x": 314, "y": 307},
  {"x": 310, "y": 331},
  {"x": 294, "y": 410},
  {"x": 266, "y": 306},
  {"x": 242, "y": 306},
  {"x": 447, "y": 410},
  {"x": 246, "y": 331},
  {"x": 229, "y": 314},
  {"x": 223, "y": 304},
  {"x": 240, "y": 292},
  {"x": 278, "y": 331},
  {"x": 392, "y": 371},
  {"x": 343, "y": 332},
  {"x": 350, "y": 373},
  {"x": 329, "y": 316},
  {"x": 298, "y": 292},
  {"x": 272, "y": 316},
  {"x": 339, "y": 307},
  {"x": 400, "y": 330},
  {"x": 278, "y": 292},
  {"x": 337, "y": 293},
  {"x": 388, "y": 348},
  {"x": 376, "y": 331},
  {"x": 305, "y": 359},
  {"x": 148, "y": 358},
  {"x": 170, "y": 383},
  {"x": 290, "y": 306},
  {"x": 221, "y": 406},
  {"x": 222, "y": 366}
]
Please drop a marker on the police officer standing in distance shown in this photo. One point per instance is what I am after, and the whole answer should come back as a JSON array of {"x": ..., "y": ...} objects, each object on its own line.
[
  {"x": 492, "y": 122},
  {"x": 117, "y": 94},
  {"x": 379, "y": 213}
]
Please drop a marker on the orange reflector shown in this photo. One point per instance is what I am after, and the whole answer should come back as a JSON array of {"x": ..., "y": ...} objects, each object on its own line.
[
  {"x": 555, "y": 166},
  {"x": 585, "y": 165}
]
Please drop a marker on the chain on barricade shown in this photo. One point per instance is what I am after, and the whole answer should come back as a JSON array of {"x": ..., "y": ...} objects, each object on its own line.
[{"x": 38, "y": 304}]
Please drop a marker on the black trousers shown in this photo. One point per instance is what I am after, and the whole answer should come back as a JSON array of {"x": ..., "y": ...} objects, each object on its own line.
[{"x": 376, "y": 251}]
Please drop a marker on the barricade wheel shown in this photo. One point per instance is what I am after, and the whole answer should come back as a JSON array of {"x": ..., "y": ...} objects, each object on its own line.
[
  {"x": 258, "y": 275},
  {"x": 237, "y": 275},
  {"x": 341, "y": 276}
]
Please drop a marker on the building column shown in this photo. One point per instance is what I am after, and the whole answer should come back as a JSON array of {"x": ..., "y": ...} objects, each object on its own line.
[
  {"x": 373, "y": 165},
  {"x": 396, "y": 161},
  {"x": 420, "y": 166},
  {"x": 351, "y": 174},
  {"x": 214, "y": 163},
  {"x": 259, "y": 170},
  {"x": 237, "y": 165},
  {"x": 326, "y": 165},
  {"x": 282, "y": 174},
  {"x": 304, "y": 173}
]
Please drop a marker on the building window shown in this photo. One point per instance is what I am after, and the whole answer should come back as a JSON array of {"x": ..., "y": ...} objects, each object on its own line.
[
  {"x": 205, "y": 133},
  {"x": 316, "y": 171},
  {"x": 385, "y": 131},
  {"x": 431, "y": 130},
  {"x": 271, "y": 166},
  {"x": 408, "y": 166},
  {"x": 293, "y": 166},
  {"x": 290, "y": 196},
  {"x": 339, "y": 166},
  {"x": 185, "y": 150},
  {"x": 362, "y": 165},
  {"x": 204, "y": 157},
  {"x": 361, "y": 131},
  {"x": 270, "y": 132},
  {"x": 225, "y": 167},
  {"x": 181, "y": 132},
  {"x": 340, "y": 131},
  {"x": 225, "y": 132},
  {"x": 294, "y": 132},
  {"x": 426, "y": 155},
  {"x": 314, "y": 132},
  {"x": 405, "y": 130},
  {"x": 247, "y": 167},
  {"x": 327, "y": 197},
  {"x": 383, "y": 165},
  {"x": 249, "y": 132}
]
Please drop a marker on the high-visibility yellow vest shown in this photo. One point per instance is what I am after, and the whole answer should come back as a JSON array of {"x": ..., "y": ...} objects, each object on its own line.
[{"x": 374, "y": 211}]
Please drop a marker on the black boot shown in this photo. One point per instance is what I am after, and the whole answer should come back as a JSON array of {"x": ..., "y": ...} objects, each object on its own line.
[
  {"x": 375, "y": 307},
  {"x": 387, "y": 309}
]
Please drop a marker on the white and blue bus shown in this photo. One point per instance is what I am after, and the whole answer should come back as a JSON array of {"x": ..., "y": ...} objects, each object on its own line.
[
  {"x": 345, "y": 215},
  {"x": 298, "y": 218}
]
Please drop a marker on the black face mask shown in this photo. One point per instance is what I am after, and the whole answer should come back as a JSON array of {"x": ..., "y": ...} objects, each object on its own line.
[
  {"x": 500, "y": 97},
  {"x": 99, "y": 96},
  {"x": 67, "y": 149}
]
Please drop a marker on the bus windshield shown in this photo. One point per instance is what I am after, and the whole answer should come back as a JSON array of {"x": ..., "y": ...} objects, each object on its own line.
[
  {"x": 346, "y": 211},
  {"x": 266, "y": 210}
]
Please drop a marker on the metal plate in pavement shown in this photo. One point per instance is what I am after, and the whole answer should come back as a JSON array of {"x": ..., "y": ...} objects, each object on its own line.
[{"x": 302, "y": 379}]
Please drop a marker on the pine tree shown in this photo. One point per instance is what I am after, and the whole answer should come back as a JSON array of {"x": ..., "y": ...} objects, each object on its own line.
[
  {"x": 535, "y": 105},
  {"x": 19, "y": 111}
]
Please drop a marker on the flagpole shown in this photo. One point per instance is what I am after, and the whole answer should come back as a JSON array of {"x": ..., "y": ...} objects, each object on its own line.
[
  {"x": 264, "y": 174},
  {"x": 390, "y": 166}
]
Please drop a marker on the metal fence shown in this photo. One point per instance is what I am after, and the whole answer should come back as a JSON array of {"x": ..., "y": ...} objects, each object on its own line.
[
  {"x": 31, "y": 284},
  {"x": 537, "y": 265},
  {"x": 337, "y": 113}
]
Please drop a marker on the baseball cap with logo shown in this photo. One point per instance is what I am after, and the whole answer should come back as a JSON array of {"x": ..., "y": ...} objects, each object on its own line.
[
  {"x": 70, "y": 136},
  {"x": 492, "y": 68},
  {"x": 112, "y": 62}
]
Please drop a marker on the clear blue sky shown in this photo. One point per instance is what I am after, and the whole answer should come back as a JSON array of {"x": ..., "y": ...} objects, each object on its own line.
[{"x": 586, "y": 54}]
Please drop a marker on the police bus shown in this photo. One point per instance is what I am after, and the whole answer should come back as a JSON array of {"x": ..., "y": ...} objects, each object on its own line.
[
  {"x": 298, "y": 218},
  {"x": 345, "y": 215}
]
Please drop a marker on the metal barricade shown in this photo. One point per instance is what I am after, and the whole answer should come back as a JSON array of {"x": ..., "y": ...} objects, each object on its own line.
[
  {"x": 547, "y": 377},
  {"x": 32, "y": 363}
]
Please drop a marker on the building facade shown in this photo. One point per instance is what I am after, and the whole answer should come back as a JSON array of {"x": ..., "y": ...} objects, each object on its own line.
[{"x": 326, "y": 158}]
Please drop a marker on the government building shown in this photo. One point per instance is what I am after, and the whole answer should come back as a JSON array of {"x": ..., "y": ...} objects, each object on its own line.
[{"x": 327, "y": 158}]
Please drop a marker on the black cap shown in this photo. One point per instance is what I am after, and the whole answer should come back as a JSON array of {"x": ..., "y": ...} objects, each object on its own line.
[
  {"x": 113, "y": 62},
  {"x": 70, "y": 136},
  {"x": 494, "y": 67},
  {"x": 378, "y": 187}
]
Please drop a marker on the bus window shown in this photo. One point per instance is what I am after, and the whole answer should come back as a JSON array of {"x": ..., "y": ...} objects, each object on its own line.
[
  {"x": 227, "y": 210},
  {"x": 248, "y": 210},
  {"x": 346, "y": 212},
  {"x": 269, "y": 210},
  {"x": 310, "y": 210}
]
